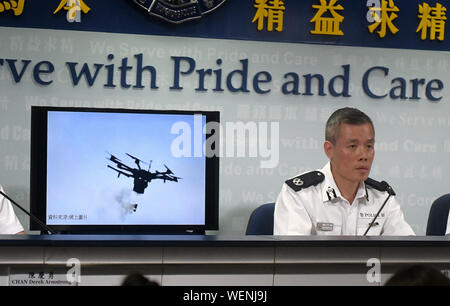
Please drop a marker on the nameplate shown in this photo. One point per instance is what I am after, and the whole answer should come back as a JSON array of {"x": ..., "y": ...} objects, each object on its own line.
[
  {"x": 325, "y": 227},
  {"x": 37, "y": 276}
]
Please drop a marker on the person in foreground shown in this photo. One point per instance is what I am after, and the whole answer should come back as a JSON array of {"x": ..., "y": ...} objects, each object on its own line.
[
  {"x": 138, "y": 280},
  {"x": 9, "y": 224},
  {"x": 340, "y": 199},
  {"x": 418, "y": 275}
]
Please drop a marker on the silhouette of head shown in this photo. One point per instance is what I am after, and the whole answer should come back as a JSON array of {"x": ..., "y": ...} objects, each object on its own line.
[
  {"x": 418, "y": 275},
  {"x": 137, "y": 279}
]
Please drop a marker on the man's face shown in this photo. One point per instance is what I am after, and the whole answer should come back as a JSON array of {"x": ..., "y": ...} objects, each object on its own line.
[{"x": 352, "y": 155}]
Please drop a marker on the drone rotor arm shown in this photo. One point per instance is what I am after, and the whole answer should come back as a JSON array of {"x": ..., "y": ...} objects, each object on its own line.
[{"x": 120, "y": 172}]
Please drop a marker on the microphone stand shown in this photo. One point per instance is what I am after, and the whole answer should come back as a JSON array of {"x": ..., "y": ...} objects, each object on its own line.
[
  {"x": 376, "y": 216},
  {"x": 390, "y": 192}
]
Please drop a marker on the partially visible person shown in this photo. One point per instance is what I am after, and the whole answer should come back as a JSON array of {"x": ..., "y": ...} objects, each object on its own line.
[
  {"x": 447, "y": 232},
  {"x": 9, "y": 224},
  {"x": 418, "y": 275},
  {"x": 137, "y": 279}
]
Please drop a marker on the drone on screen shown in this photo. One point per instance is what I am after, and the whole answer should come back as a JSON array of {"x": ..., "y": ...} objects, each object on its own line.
[{"x": 141, "y": 177}]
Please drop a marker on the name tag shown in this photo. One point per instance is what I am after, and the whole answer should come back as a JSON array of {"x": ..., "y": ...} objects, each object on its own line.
[
  {"x": 371, "y": 215},
  {"x": 325, "y": 227}
]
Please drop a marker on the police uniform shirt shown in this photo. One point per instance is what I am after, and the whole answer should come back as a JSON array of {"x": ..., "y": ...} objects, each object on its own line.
[
  {"x": 9, "y": 224},
  {"x": 320, "y": 209}
]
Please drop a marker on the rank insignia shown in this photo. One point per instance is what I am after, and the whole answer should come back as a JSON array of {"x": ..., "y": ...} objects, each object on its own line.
[
  {"x": 297, "y": 181},
  {"x": 178, "y": 11},
  {"x": 305, "y": 180}
]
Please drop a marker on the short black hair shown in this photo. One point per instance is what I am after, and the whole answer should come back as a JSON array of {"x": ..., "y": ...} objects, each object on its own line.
[
  {"x": 137, "y": 279},
  {"x": 418, "y": 275},
  {"x": 344, "y": 115}
]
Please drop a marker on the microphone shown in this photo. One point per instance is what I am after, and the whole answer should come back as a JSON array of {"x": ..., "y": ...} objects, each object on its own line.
[
  {"x": 385, "y": 187},
  {"x": 388, "y": 188},
  {"x": 35, "y": 219}
]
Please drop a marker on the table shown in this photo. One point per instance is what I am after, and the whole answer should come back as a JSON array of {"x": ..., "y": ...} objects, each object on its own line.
[{"x": 216, "y": 260}]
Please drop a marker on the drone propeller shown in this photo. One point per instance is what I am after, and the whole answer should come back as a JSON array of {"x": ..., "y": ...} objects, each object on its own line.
[
  {"x": 137, "y": 161},
  {"x": 168, "y": 170},
  {"x": 135, "y": 158},
  {"x": 113, "y": 158}
]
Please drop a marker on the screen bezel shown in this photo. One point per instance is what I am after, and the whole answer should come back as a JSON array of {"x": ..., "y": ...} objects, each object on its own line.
[{"x": 38, "y": 177}]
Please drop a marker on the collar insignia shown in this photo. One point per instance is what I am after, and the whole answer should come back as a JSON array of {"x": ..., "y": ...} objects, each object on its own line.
[{"x": 331, "y": 193}]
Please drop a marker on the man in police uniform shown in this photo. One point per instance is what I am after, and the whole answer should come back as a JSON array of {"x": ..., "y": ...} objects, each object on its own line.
[
  {"x": 340, "y": 199},
  {"x": 9, "y": 224}
]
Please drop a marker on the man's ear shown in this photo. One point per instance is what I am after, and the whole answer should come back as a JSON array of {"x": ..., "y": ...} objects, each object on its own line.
[{"x": 328, "y": 147}]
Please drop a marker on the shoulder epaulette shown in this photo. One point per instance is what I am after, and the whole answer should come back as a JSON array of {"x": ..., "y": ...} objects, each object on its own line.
[
  {"x": 375, "y": 184},
  {"x": 305, "y": 180}
]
